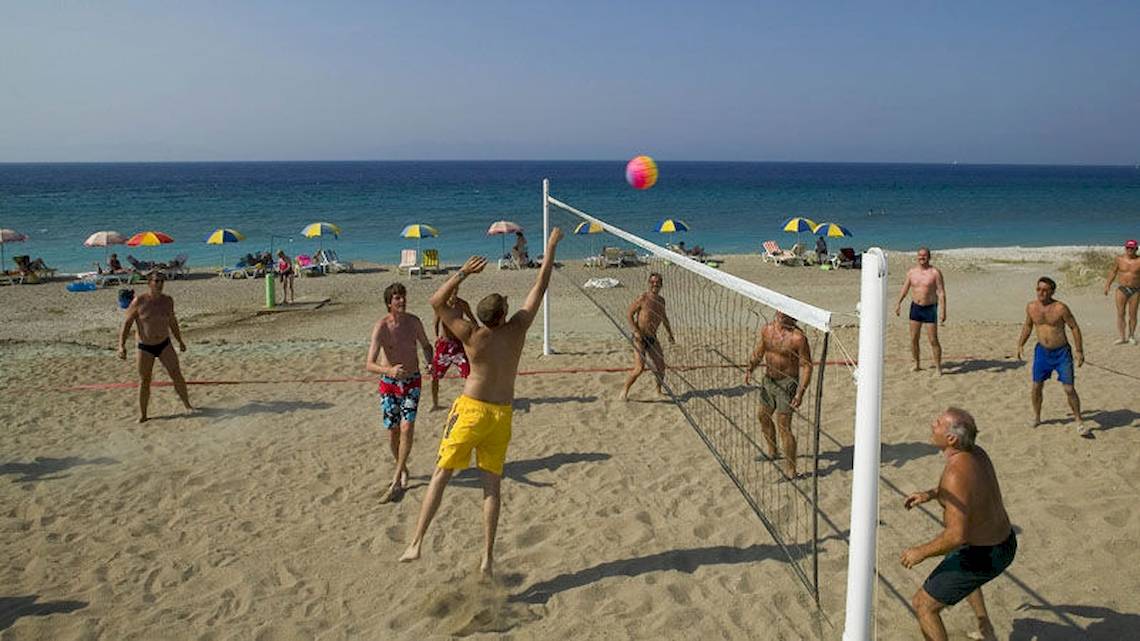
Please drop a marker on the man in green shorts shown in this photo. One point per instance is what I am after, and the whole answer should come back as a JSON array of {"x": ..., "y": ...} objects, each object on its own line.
[{"x": 783, "y": 349}]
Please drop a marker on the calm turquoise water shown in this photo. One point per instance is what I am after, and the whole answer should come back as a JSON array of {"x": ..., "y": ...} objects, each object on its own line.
[{"x": 731, "y": 207}]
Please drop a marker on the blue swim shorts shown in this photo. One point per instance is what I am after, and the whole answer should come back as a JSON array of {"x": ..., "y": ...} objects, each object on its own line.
[
  {"x": 924, "y": 313},
  {"x": 969, "y": 568},
  {"x": 1046, "y": 360}
]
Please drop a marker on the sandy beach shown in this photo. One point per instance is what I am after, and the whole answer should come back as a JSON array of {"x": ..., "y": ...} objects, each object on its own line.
[{"x": 256, "y": 517}]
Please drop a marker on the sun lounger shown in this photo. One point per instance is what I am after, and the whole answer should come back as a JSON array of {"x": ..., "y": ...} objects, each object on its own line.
[
  {"x": 774, "y": 254},
  {"x": 430, "y": 261},
  {"x": 306, "y": 266},
  {"x": 176, "y": 267},
  {"x": 845, "y": 258},
  {"x": 409, "y": 261}
]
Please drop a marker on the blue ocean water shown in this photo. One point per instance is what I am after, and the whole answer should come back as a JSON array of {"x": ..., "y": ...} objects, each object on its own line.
[{"x": 731, "y": 207}]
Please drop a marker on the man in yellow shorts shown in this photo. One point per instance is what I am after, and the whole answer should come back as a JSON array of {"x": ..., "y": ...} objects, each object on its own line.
[{"x": 480, "y": 419}]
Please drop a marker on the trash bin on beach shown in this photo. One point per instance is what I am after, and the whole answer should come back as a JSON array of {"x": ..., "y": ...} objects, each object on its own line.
[{"x": 126, "y": 295}]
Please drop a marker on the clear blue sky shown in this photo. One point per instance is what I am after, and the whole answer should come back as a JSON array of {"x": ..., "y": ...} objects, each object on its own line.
[{"x": 976, "y": 82}]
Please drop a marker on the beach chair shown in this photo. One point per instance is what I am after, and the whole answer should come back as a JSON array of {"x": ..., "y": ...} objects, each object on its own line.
[
  {"x": 845, "y": 258},
  {"x": 774, "y": 254},
  {"x": 611, "y": 257},
  {"x": 37, "y": 267},
  {"x": 176, "y": 267},
  {"x": 331, "y": 262},
  {"x": 306, "y": 266},
  {"x": 430, "y": 261},
  {"x": 240, "y": 270},
  {"x": 408, "y": 261},
  {"x": 11, "y": 278}
]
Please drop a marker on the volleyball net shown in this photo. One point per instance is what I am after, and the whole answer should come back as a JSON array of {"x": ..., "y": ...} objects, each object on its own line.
[{"x": 696, "y": 329}]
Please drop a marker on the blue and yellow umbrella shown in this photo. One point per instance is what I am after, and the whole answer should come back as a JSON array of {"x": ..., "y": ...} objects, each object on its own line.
[
  {"x": 672, "y": 225},
  {"x": 419, "y": 230},
  {"x": 320, "y": 230},
  {"x": 224, "y": 235},
  {"x": 832, "y": 230},
  {"x": 588, "y": 228},
  {"x": 798, "y": 224}
]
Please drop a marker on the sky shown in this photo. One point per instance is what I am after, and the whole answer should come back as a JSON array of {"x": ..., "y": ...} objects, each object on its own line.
[{"x": 974, "y": 82}]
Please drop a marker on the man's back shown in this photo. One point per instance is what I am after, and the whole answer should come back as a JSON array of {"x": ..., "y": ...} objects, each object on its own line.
[{"x": 494, "y": 353}]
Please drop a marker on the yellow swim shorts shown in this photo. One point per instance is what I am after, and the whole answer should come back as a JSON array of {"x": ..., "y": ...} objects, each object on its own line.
[{"x": 484, "y": 427}]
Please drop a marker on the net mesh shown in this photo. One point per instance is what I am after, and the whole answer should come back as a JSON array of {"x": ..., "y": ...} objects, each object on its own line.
[{"x": 716, "y": 322}]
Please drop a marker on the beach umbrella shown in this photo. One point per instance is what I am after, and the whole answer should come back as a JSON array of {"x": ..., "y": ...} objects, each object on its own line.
[
  {"x": 502, "y": 228},
  {"x": 797, "y": 224},
  {"x": 832, "y": 230},
  {"x": 419, "y": 231},
  {"x": 224, "y": 235},
  {"x": 671, "y": 225},
  {"x": 9, "y": 236},
  {"x": 588, "y": 228},
  {"x": 149, "y": 239},
  {"x": 104, "y": 239},
  {"x": 320, "y": 230}
]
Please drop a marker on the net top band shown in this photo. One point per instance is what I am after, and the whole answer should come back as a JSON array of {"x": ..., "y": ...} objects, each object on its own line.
[{"x": 801, "y": 311}]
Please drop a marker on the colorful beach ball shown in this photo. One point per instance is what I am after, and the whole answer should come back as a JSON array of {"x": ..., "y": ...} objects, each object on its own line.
[{"x": 641, "y": 172}]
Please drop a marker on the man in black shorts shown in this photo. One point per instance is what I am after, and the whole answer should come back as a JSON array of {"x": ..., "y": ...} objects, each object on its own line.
[
  {"x": 927, "y": 306},
  {"x": 977, "y": 538}
]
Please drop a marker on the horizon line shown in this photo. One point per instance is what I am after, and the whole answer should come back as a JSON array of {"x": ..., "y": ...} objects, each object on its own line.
[{"x": 579, "y": 160}]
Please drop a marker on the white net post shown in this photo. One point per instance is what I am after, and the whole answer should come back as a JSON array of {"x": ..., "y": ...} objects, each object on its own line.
[
  {"x": 545, "y": 243},
  {"x": 859, "y": 620}
]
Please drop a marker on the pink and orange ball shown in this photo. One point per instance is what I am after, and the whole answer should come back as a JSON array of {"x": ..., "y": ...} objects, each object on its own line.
[{"x": 641, "y": 172}]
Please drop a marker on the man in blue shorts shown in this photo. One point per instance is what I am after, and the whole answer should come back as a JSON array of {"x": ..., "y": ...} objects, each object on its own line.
[
  {"x": 1049, "y": 317},
  {"x": 927, "y": 306},
  {"x": 392, "y": 354},
  {"x": 977, "y": 539}
]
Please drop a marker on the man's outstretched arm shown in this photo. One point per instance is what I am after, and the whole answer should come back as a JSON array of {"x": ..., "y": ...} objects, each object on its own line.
[
  {"x": 450, "y": 316},
  {"x": 534, "y": 298}
]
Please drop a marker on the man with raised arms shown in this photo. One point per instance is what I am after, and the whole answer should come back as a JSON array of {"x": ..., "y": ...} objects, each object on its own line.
[
  {"x": 927, "y": 305},
  {"x": 449, "y": 349},
  {"x": 976, "y": 538},
  {"x": 480, "y": 419},
  {"x": 783, "y": 349},
  {"x": 645, "y": 315},
  {"x": 152, "y": 314},
  {"x": 1049, "y": 317},
  {"x": 392, "y": 355},
  {"x": 1126, "y": 267}
]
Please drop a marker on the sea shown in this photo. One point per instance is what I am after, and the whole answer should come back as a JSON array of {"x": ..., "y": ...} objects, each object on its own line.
[{"x": 730, "y": 207}]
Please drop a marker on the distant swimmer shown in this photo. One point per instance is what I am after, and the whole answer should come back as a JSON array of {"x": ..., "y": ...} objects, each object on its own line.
[
  {"x": 152, "y": 314},
  {"x": 1126, "y": 268},
  {"x": 977, "y": 538},
  {"x": 927, "y": 306},
  {"x": 645, "y": 315},
  {"x": 449, "y": 349},
  {"x": 1050, "y": 316},
  {"x": 392, "y": 355},
  {"x": 480, "y": 419},
  {"x": 783, "y": 349}
]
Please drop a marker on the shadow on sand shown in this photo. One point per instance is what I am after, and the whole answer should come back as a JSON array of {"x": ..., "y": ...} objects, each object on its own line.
[
  {"x": 254, "y": 407},
  {"x": 14, "y": 607},
  {"x": 893, "y": 454},
  {"x": 519, "y": 471},
  {"x": 524, "y": 404},
  {"x": 46, "y": 469},
  {"x": 1108, "y": 624},
  {"x": 981, "y": 365}
]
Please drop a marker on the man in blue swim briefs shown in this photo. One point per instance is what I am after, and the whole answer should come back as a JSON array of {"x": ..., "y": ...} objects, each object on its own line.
[
  {"x": 977, "y": 539},
  {"x": 1049, "y": 317},
  {"x": 392, "y": 355},
  {"x": 927, "y": 306}
]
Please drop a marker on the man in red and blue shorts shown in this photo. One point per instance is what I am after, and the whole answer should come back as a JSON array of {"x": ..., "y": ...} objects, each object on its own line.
[{"x": 449, "y": 349}]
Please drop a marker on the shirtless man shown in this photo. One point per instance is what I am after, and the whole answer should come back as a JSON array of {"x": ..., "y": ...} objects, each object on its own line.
[
  {"x": 392, "y": 355},
  {"x": 927, "y": 306},
  {"x": 977, "y": 538},
  {"x": 783, "y": 349},
  {"x": 1126, "y": 267},
  {"x": 152, "y": 314},
  {"x": 480, "y": 419},
  {"x": 645, "y": 315},
  {"x": 1050, "y": 317},
  {"x": 449, "y": 349}
]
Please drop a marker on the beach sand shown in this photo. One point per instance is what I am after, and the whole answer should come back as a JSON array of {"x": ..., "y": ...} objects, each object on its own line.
[{"x": 257, "y": 516}]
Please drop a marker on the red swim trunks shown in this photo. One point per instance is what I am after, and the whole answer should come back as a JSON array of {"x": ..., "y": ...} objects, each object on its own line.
[{"x": 448, "y": 352}]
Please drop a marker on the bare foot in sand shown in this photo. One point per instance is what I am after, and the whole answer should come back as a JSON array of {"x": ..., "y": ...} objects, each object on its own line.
[
  {"x": 436, "y": 408},
  {"x": 624, "y": 395},
  {"x": 1034, "y": 423},
  {"x": 486, "y": 570},
  {"x": 142, "y": 419},
  {"x": 411, "y": 554},
  {"x": 1084, "y": 431},
  {"x": 916, "y": 368},
  {"x": 391, "y": 494},
  {"x": 985, "y": 631}
]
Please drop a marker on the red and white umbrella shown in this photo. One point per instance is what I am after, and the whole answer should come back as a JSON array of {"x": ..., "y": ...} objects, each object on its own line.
[
  {"x": 104, "y": 239},
  {"x": 502, "y": 228},
  {"x": 9, "y": 236}
]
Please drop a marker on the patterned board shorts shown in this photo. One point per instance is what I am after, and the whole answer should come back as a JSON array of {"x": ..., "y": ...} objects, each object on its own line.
[
  {"x": 399, "y": 399},
  {"x": 448, "y": 352}
]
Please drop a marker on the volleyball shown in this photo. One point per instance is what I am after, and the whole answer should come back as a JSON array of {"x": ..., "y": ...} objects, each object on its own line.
[{"x": 641, "y": 172}]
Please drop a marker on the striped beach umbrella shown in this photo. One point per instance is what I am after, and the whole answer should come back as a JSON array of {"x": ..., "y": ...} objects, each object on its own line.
[
  {"x": 588, "y": 228},
  {"x": 832, "y": 230},
  {"x": 9, "y": 236},
  {"x": 798, "y": 224},
  {"x": 104, "y": 239},
  {"x": 149, "y": 239},
  {"x": 419, "y": 230},
  {"x": 320, "y": 230},
  {"x": 671, "y": 225},
  {"x": 224, "y": 235}
]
